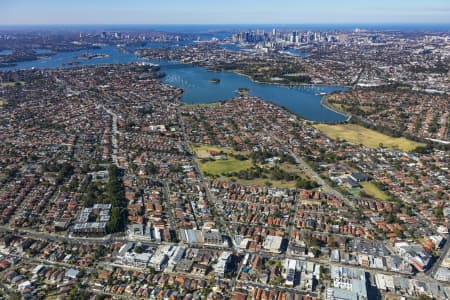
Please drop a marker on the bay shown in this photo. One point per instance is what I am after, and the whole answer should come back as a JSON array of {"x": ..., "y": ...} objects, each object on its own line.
[
  {"x": 195, "y": 82},
  {"x": 302, "y": 100}
]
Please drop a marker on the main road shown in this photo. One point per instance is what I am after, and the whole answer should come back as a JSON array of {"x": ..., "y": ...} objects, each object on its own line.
[{"x": 313, "y": 174}]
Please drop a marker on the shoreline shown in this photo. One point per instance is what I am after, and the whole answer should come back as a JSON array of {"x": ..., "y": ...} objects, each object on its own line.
[
  {"x": 348, "y": 117},
  {"x": 324, "y": 102},
  {"x": 286, "y": 84},
  {"x": 208, "y": 68}
]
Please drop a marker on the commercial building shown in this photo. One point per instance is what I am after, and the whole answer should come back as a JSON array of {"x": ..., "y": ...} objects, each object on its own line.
[
  {"x": 442, "y": 274},
  {"x": 347, "y": 284},
  {"x": 290, "y": 268},
  {"x": 414, "y": 254},
  {"x": 222, "y": 264},
  {"x": 273, "y": 243}
]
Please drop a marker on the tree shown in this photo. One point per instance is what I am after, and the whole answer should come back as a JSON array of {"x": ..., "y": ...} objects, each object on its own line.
[
  {"x": 316, "y": 252},
  {"x": 117, "y": 221},
  {"x": 306, "y": 184},
  {"x": 90, "y": 197},
  {"x": 115, "y": 189},
  {"x": 99, "y": 252},
  {"x": 438, "y": 212},
  {"x": 390, "y": 218},
  {"x": 399, "y": 233},
  {"x": 115, "y": 192},
  {"x": 151, "y": 168},
  {"x": 15, "y": 296}
]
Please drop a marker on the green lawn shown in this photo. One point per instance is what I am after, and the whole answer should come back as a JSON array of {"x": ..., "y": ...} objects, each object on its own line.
[
  {"x": 203, "y": 151},
  {"x": 12, "y": 83},
  {"x": 218, "y": 167},
  {"x": 263, "y": 182},
  {"x": 355, "y": 192},
  {"x": 231, "y": 164},
  {"x": 370, "y": 138},
  {"x": 224, "y": 166},
  {"x": 371, "y": 189}
]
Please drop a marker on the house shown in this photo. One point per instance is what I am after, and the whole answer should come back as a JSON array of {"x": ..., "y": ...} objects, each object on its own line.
[
  {"x": 24, "y": 285},
  {"x": 71, "y": 274},
  {"x": 239, "y": 294},
  {"x": 4, "y": 264}
]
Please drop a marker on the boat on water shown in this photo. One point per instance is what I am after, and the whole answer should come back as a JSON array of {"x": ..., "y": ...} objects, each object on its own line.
[{"x": 214, "y": 80}]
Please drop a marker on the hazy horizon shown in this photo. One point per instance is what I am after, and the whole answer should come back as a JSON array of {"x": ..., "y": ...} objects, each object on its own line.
[
  {"x": 199, "y": 28},
  {"x": 204, "y": 12}
]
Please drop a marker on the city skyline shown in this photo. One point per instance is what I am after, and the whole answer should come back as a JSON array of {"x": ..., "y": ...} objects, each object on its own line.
[{"x": 51, "y": 12}]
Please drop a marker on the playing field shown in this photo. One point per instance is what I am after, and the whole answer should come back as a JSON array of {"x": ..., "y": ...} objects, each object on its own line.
[
  {"x": 204, "y": 151},
  {"x": 231, "y": 164},
  {"x": 12, "y": 83},
  {"x": 263, "y": 182},
  {"x": 370, "y": 138},
  {"x": 374, "y": 191},
  {"x": 218, "y": 167}
]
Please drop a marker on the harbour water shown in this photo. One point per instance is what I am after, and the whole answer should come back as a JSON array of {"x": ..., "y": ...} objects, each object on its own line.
[
  {"x": 302, "y": 100},
  {"x": 195, "y": 81},
  {"x": 5, "y": 52}
]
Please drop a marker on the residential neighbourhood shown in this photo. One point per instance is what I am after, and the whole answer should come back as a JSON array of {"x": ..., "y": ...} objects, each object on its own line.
[{"x": 113, "y": 187}]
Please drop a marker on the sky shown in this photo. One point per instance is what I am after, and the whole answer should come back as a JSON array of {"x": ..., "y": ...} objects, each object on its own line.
[{"x": 72, "y": 12}]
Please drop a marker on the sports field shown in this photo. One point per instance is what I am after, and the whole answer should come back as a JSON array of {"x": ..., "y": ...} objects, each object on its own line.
[
  {"x": 371, "y": 189},
  {"x": 219, "y": 167},
  {"x": 12, "y": 83},
  {"x": 203, "y": 151},
  {"x": 357, "y": 134},
  {"x": 230, "y": 164}
]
